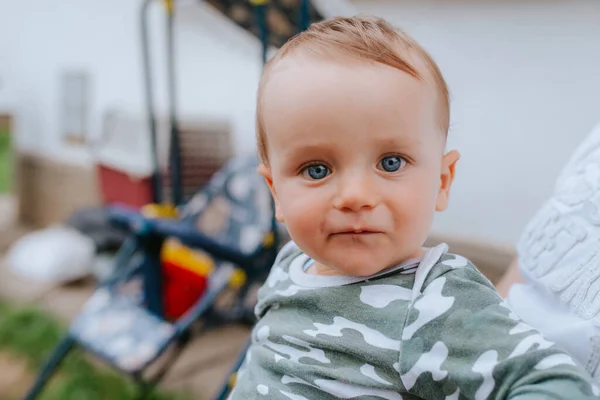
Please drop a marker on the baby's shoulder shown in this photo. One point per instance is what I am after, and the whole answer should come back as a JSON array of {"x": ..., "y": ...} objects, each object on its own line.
[
  {"x": 283, "y": 260},
  {"x": 455, "y": 272}
]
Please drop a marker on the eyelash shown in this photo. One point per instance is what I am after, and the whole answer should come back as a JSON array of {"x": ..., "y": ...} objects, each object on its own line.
[
  {"x": 402, "y": 156},
  {"x": 304, "y": 168}
]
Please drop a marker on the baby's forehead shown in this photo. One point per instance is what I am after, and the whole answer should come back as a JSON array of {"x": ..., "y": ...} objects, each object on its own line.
[
  {"x": 321, "y": 105},
  {"x": 314, "y": 87},
  {"x": 299, "y": 61},
  {"x": 301, "y": 74}
]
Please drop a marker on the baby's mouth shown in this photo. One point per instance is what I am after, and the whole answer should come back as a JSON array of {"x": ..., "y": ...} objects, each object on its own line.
[{"x": 357, "y": 232}]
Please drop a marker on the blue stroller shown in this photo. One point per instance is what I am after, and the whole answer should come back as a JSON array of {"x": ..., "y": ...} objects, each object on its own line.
[{"x": 123, "y": 322}]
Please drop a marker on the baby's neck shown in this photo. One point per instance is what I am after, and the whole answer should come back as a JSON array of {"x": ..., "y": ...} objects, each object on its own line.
[{"x": 317, "y": 268}]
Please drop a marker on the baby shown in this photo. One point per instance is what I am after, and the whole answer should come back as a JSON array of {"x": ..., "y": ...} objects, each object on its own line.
[{"x": 352, "y": 121}]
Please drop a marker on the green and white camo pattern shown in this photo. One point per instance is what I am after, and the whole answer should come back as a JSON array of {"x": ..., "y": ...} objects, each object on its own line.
[{"x": 445, "y": 335}]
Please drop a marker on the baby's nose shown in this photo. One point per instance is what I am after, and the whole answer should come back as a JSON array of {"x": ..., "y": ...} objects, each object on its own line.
[{"x": 356, "y": 193}]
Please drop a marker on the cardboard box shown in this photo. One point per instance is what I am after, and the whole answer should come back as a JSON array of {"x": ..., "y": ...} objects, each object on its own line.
[{"x": 50, "y": 191}]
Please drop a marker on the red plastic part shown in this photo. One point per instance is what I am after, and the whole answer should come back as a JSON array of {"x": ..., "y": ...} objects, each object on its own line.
[{"x": 181, "y": 289}]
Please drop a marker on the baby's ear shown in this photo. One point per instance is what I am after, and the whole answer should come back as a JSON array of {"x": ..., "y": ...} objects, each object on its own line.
[
  {"x": 265, "y": 171},
  {"x": 446, "y": 178}
]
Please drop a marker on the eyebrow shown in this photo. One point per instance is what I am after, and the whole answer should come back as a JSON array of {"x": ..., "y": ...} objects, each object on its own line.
[
  {"x": 402, "y": 142},
  {"x": 395, "y": 142},
  {"x": 301, "y": 149}
]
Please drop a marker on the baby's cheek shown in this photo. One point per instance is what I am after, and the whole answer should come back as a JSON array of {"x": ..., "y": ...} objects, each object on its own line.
[
  {"x": 422, "y": 220},
  {"x": 296, "y": 208},
  {"x": 303, "y": 227},
  {"x": 414, "y": 211}
]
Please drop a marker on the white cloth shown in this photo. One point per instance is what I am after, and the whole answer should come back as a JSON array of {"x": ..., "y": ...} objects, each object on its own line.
[
  {"x": 57, "y": 254},
  {"x": 559, "y": 255}
]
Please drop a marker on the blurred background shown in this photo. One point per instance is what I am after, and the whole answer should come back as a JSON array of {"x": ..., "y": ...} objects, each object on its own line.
[{"x": 75, "y": 135}]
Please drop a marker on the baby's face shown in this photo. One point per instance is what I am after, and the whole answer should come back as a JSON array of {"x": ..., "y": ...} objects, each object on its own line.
[{"x": 356, "y": 161}]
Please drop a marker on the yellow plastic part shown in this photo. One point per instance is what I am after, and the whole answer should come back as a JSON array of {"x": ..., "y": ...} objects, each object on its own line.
[
  {"x": 192, "y": 260},
  {"x": 159, "y": 211},
  {"x": 232, "y": 379},
  {"x": 169, "y": 6},
  {"x": 268, "y": 240},
  {"x": 238, "y": 278},
  {"x": 259, "y": 2}
]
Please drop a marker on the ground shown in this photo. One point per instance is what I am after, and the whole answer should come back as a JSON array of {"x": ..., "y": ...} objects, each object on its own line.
[{"x": 6, "y": 169}]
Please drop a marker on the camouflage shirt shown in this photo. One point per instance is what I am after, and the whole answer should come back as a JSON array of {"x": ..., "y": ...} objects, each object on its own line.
[{"x": 432, "y": 330}]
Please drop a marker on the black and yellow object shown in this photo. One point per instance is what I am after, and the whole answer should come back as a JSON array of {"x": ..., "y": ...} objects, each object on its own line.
[
  {"x": 232, "y": 380},
  {"x": 304, "y": 15},
  {"x": 238, "y": 278},
  {"x": 269, "y": 240},
  {"x": 169, "y": 6},
  {"x": 163, "y": 210},
  {"x": 260, "y": 12}
]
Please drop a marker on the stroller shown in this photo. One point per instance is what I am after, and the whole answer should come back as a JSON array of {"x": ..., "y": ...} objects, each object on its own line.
[{"x": 124, "y": 323}]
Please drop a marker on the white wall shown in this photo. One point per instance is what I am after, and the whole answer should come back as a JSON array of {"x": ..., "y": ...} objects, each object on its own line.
[
  {"x": 525, "y": 83},
  {"x": 219, "y": 65}
]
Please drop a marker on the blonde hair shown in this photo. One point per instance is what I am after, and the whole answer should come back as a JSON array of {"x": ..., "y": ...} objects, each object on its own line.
[{"x": 365, "y": 38}]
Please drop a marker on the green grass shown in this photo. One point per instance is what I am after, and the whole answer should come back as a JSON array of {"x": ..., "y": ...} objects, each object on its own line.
[
  {"x": 6, "y": 162},
  {"x": 29, "y": 334}
]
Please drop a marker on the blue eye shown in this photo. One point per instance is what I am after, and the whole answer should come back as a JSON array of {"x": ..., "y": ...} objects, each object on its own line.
[
  {"x": 392, "y": 163},
  {"x": 317, "y": 171}
]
